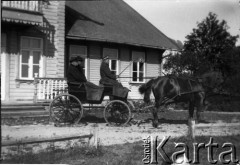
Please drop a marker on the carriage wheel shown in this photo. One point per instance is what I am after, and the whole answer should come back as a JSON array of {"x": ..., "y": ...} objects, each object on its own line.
[
  {"x": 66, "y": 109},
  {"x": 117, "y": 112},
  {"x": 131, "y": 105}
]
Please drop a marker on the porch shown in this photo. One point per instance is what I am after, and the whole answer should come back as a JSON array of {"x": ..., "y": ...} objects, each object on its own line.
[{"x": 26, "y": 12}]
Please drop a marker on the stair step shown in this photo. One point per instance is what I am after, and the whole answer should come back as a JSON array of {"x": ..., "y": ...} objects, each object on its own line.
[
  {"x": 23, "y": 110},
  {"x": 24, "y": 114},
  {"x": 19, "y": 108},
  {"x": 22, "y": 107}
]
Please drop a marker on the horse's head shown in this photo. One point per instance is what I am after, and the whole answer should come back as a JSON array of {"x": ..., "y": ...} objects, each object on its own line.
[{"x": 212, "y": 80}]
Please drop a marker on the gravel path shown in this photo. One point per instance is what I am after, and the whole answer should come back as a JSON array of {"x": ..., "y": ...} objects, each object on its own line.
[
  {"x": 114, "y": 135},
  {"x": 108, "y": 135}
]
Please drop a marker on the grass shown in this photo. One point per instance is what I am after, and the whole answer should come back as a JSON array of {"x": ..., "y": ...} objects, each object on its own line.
[{"x": 126, "y": 154}]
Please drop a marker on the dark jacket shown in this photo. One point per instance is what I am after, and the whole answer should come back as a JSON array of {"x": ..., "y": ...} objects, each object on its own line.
[
  {"x": 107, "y": 77},
  {"x": 76, "y": 74}
]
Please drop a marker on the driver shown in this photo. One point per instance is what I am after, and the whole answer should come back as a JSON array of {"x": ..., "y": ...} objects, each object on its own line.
[{"x": 107, "y": 77}]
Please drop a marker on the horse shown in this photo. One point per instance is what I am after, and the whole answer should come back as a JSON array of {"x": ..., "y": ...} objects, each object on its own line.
[{"x": 172, "y": 89}]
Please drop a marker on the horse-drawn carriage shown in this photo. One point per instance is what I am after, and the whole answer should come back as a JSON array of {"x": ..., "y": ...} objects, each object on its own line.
[{"x": 68, "y": 107}]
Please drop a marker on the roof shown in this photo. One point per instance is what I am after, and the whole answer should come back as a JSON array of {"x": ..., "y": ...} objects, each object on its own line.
[
  {"x": 113, "y": 21},
  {"x": 178, "y": 43}
]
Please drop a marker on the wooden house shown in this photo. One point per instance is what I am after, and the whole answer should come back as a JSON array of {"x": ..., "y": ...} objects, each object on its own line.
[
  {"x": 39, "y": 37},
  {"x": 32, "y": 45},
  {"x": 111, "y": 27}
]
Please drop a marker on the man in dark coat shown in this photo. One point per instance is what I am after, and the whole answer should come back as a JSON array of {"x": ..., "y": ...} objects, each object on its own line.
[
  {"x": 75, "y": 71},
  {"x": 78, "y": 83},
  {"x": 107, "y": 77}
]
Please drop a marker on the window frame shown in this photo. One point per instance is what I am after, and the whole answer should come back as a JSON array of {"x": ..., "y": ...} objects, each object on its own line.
[
  {"x": 86, "y": 59},
  {"x": 30, "y": 63},
  {"x": 138, "y": 68},
  {"x": 110, "y": 65},
  {"x": 111, "y": 59}
]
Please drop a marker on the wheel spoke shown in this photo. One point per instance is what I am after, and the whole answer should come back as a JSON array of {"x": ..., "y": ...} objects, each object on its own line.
[
  {"x": 117, "y": 112},
  {"x": 66, "y": 109}
]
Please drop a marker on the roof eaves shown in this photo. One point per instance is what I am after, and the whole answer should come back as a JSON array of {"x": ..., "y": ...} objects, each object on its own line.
[{"x": 111, "y": 41}]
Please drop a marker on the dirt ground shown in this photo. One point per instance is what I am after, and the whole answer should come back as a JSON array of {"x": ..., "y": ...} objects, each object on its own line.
[
  {"x": 115, "y": 135},
  {"x": 110, "y": 135}
]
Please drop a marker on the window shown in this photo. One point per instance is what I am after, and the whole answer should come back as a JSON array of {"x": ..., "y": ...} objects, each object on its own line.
[
  {"x": 138, "y": 67},
  {"x": 31, "y": 58},
  {"x": 78, "y": 50},
  {"x": 113, "y": 59}
]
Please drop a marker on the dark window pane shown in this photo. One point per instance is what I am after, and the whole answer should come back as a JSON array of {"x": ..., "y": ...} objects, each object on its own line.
[
  {"x": 35, "y": 71},
  {"x": 25, "y": 56},
  {"x": 24, "y": 70},
  {"x": 112, "y": 53},
  {"x": 140, "y": 76},
  {"x": 36, "y": 57},
  {"x": 135, "y": 66},
  {"x": 36, "y": 43},
  {"x": 114, "y": 65},
  {"x": 134, "y": 76},
  {"x": 82, "y": 50},
  {"x": 25, "y": 43},
  {"x": 141, "y": 66}
]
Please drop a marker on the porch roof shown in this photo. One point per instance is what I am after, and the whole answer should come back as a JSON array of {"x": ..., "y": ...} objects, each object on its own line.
[
  {"x": 113, "y": 21},
  {"x": 33, "y": 18}
]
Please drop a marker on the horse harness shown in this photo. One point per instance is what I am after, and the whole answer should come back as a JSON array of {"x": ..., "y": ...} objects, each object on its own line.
[{"x": 179, "y": 93}]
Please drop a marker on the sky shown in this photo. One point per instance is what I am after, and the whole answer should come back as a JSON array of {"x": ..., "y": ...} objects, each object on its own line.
[{"x": 177, "y": 18}]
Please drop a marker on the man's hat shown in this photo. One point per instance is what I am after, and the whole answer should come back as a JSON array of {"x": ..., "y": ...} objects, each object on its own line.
[
  {"x": 76, "y": 58},
  {"x": 105, "y": 58}
]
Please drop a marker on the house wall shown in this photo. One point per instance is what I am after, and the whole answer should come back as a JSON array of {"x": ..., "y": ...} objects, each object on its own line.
[
  {"x": 52, "y": 32},
  {"x": 94, "y": 55},
  {"x": 54, "y": 24},
  {"x": 152, "y": 69},
  {"x": 152, "y": 66}
]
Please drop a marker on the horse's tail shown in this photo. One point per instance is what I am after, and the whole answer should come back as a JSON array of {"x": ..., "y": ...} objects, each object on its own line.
[{"x": 146, "y": 90}]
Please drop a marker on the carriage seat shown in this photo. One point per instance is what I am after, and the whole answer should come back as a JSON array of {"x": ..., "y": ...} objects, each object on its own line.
[
  {"x": 107, "y": 87},
  {"x": 105, "y": 84},
  {"x": 86, "y": 91},
  {"x": 117, "y": 91},
  {"x": 76, "y": 87}
]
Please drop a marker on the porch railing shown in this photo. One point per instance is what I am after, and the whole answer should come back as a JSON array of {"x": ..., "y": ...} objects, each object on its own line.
[
  {"x": 35, "y": 6},
  {"x": 46, "y": 89}
]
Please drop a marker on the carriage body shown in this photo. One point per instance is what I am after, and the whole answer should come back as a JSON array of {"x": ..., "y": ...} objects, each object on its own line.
[{"x": 68, "y": 107}]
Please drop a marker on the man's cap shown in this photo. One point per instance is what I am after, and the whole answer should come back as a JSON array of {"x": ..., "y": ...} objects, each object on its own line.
[
  {"x": 105, "y": 57},
  {"x": 76, "y": 58}
]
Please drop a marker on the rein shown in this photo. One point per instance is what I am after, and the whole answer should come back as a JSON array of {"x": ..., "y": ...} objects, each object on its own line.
[
  {"x": 183, "y": 93},
  {"x": 125, "y": 68}
]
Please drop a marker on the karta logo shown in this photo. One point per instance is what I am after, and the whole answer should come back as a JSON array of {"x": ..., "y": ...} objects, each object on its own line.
[{"x": 153, "y": 150}]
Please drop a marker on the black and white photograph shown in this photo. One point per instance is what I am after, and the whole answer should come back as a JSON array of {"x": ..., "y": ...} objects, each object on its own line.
[{"x": 120, "y": 82}]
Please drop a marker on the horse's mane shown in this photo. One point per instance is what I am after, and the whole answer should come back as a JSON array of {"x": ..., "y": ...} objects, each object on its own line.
[{"x": 185, "y": 77}]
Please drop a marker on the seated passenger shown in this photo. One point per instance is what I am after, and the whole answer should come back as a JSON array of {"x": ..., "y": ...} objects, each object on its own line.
[
  {"x": 75, "y": 74},
  {"x": 107, "y": 77},
  {"x": 76, "y": 77}
]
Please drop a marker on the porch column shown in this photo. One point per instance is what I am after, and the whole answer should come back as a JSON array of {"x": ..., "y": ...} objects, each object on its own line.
[
  {"x": 4, "y": 77},
  {"x": 4, "y": 69}
]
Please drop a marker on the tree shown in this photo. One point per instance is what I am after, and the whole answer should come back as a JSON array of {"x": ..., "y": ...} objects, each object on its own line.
[
  {"x": 205, "y": 49},
  {"x": 232, "y": 62}
]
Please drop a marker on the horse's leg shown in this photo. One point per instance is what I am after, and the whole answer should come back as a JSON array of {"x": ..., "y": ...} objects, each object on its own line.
[
  {"x": 191, "y": 110},
  {"x": 200, "y": 105},
  {"x": 155, "y": 115},
  {"x": 191, "y": 123}
]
